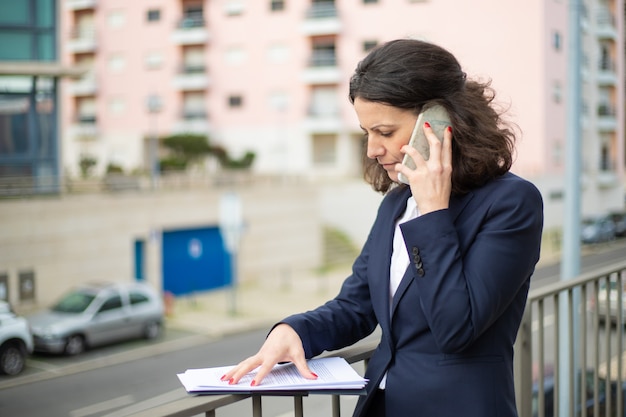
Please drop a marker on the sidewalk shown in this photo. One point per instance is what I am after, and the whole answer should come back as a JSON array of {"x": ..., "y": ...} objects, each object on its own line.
[{"x": 257, "y": 305}]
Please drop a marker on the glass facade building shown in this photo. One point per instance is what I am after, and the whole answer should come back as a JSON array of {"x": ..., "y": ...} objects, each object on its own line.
[{"x": 29, "y": 155}]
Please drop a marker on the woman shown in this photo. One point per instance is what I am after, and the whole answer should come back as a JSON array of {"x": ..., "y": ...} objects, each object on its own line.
[{"x": 446, "y": 268}]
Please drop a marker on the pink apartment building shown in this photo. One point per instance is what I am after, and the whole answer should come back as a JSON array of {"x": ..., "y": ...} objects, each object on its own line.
[{"x": 271, "y": 76}]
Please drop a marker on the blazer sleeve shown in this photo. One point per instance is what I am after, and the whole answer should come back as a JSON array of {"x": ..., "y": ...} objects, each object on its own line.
[
  {"x": 476, "y": 268},
  {"x": 350, "y": 316}
]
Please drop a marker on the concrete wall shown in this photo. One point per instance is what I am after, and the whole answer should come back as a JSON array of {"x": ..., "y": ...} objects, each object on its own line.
[{"x": 77, "y": 238}]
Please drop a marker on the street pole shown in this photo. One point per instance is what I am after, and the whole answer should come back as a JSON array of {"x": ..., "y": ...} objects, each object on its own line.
[
  {"x": 154, "y": 105},
  {"x": 570, "y": 262},
  {"x": 231, "y": 227}
]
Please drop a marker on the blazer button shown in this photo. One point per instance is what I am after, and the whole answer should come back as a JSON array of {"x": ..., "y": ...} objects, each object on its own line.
[
  {"x": 419, "y": 265},
  {"x": 420, "y": 272},
  {"x": 415, "y": 251}
]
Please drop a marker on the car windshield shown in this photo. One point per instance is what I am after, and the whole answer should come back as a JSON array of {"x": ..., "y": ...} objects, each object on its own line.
[{"x": 75, "y": 302}]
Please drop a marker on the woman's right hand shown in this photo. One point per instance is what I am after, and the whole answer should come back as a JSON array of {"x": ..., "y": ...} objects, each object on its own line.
[{"x": 282, "y": 345}]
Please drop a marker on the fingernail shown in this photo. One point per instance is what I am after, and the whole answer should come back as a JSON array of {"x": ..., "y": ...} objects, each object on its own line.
[
  {"x": 231, "y": 381},
  {"x": 314, "y": 374},
  {"x": 223, "y": 378},
  {"x": 427, "y": 124},
  {"x": 253, "y": 383},
  {"x": 450, "y": 129}
]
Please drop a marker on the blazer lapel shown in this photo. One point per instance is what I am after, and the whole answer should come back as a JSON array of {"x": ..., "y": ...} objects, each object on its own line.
[
  {"x": 457, "y": 204},
  {"x": 381, "y": 286}
]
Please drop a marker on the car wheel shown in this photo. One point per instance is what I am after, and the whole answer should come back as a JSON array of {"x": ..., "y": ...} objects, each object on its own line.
[
  {"x": 12, "y": 359},
  {"x": 75, "y": 345},
  {"x": 152, "y": 330}
]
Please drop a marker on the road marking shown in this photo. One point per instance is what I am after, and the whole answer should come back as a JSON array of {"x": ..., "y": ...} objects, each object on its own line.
[
  {"x": 103, "y": 406},
  {"x": 150, "y": 403}
]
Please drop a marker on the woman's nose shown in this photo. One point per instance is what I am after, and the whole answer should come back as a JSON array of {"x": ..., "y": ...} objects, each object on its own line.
[{"x": 374, "y": 148}]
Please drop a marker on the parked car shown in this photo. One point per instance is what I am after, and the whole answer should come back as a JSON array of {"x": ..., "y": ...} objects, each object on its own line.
[
  {"x": 597, "y": 229},
  {"x": 16, "y": 341},
  {"x": 619, "y": 220},
  {"x": 98, "y": 314}
]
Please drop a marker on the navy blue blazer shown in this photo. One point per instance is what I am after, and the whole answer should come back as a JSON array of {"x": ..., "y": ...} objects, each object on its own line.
[{"x": 447, "y": 338}]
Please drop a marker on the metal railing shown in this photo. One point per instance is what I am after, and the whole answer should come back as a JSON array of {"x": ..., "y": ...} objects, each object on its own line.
[
  {"x": 567, "y": 319},
  {"x": 195, "y": 405}
]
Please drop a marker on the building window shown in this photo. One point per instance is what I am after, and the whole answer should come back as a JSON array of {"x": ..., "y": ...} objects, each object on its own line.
[
  {"x": 369, "y": 45},
  {"x": 235, "y": 55},
  {"x": 194, "y": 106},
  {"x": 278, "y": 100},
  {"x": 153, "y": 15},
  {"x": 115, "y": 19},
  {"x": 278, "y": 53},
  {"x": 117, "y": 106},
  {"x": 193, "y": 17},
  {"x": 27, "y": 31},
  {"x": 235, "y": 101},
  {"x": 556, "y": 41},
  {"x": 234, "y": 8},
  {"x": 557, "y": 154},
  {"x": 323, "y": 54},
  {"x": 556, "y": 91},
  {"x": 153, "y": 60},
  {"x": 277, "y": 5},
  {"x": 117, "y": 63}
]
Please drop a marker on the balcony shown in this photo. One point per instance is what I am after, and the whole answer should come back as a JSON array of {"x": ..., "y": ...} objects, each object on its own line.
[
  {"x": 192, "y": 121},
  {"x": 191, "y": 78},
  {"x": 321, "y": 120},
  {"x": 191, "y": 30},
  {"x": 82, "y": 40},
  {"x": 322, "y": 68},
  {"x": 606, "y": 73},
  {"x": 321, "y": 19},
  {"x": 607, "y": 121},
  {"x": 605, "y": 24},
  {"x": 85, "y": 127},
  {"x": 85, "y": 86},
  {"x": 80, "y": 4}
]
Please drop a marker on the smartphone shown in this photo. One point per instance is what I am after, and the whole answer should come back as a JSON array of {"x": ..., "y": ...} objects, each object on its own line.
[{"x": 437, "y": 116}]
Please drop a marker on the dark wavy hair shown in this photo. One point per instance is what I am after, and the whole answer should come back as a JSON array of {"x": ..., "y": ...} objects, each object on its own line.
[{"x": 407, "y": 73}]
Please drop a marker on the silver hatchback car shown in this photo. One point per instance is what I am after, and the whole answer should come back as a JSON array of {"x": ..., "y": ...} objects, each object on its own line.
[{"x": 98, "y": 314}]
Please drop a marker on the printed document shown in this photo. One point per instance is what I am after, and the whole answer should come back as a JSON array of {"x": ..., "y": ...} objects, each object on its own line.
[{"x": 333, "y": 374}]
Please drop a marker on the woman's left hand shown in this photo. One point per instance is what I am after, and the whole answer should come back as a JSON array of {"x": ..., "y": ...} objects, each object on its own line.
[{"x": 430, "y": 181}]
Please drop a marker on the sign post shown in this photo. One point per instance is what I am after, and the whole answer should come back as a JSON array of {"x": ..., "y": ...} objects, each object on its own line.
[{"x": 231, "y": 228}]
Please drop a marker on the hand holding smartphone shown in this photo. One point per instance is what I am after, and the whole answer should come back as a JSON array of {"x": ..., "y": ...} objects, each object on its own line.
[{"x": 437, "y": 116}]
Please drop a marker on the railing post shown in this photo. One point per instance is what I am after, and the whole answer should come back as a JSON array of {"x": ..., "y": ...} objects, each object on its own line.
[
  {"x": 522, "y": 365},
  {"x": 298, "y": 407},
  {"x": 336, "y": 404},
  {"x": 257, "y": 409}
]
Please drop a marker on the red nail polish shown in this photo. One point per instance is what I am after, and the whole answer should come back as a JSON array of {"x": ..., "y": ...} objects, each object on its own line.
[
  {"x": 231, "y": 381},
  {"x": 253, "y": 383},
  {"x": 427, "y": 124},
  {"x": 314, "y": 374},
  {"x": 223, "y": 378},
  {"x": 450, "y": 129}
]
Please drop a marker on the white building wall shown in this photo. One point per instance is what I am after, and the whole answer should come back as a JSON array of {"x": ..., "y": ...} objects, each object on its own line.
[{"x": 263, "y": 57}]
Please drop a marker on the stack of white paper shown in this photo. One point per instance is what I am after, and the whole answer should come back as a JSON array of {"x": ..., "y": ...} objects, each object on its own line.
[{"x": 333, "y": 374}]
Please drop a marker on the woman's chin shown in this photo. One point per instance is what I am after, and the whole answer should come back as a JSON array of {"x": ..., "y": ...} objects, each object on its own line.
[{"x": 393, "y": 175}]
